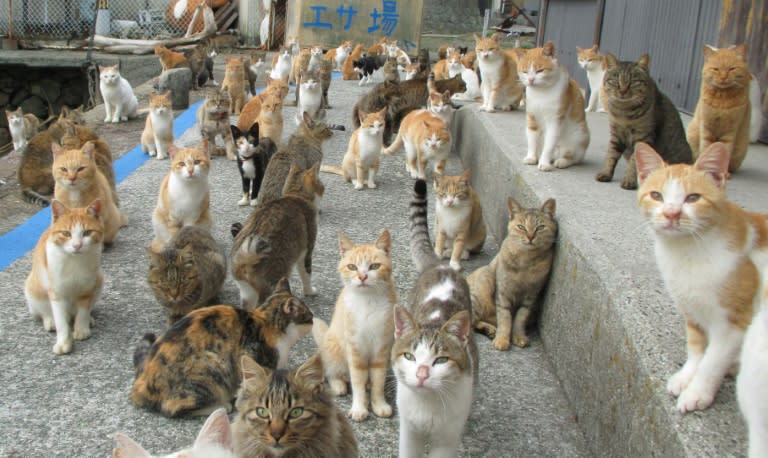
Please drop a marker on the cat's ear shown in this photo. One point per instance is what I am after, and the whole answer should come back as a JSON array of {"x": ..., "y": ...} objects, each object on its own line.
[
  {"x": 216, "y": 431},
  {"x": 58, "y": 209},
  {"x": 714, "y": 161},
  {"x": 549, "y": 206},
  {"x": 236, "y": 132},
  {"x": 311, "y": 373},
  {"x": 292, "y": 306},
  {"x": 513, "y": 207},
  {"x": 466, "y": 176},
  {"x": 741, "y": 50},
  {"x": 644, "y": 62},
  {"x": 283, "y": 285},
  {"x": 172, "y": 150},
  {"x": 549, "y": 49},
  {"x": 384, "y": 242},
  {"x": 345, "y": 244},
  {"x": 251, "y": 369},
  {"x": 459, "y": 326},
  {"x": 647, "y": 160},
  {"x": 94, "y": 208},
  {"x": 610, "y": 61},
  {"x": 709, "y": 50},
  {"x": 308, "y": 121},
  {"x": 362, "y": 114},
  {"x": 89, "y": 149},
  {"x": 595, "y": 48},
  {"x": 403, "y": 321},
  {"x": 254, "y": 133},
  {"x": 477, "y": 37},
  {"x": 127, "y": 448},
  {"x": 56, "y": 149}
]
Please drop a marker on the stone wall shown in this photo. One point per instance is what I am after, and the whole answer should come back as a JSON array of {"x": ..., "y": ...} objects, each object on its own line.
[{"x": 451, "y": 17}]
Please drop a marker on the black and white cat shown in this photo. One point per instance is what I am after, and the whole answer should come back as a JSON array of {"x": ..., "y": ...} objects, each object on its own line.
[
  {"x": 253, "y": 154},
  {"x": 365, "y": 66}
]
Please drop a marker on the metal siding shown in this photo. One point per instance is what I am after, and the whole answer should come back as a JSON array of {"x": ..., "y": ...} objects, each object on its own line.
[
  {"x": 706, "y": 33},
  {"x": 571, "y": 24}
]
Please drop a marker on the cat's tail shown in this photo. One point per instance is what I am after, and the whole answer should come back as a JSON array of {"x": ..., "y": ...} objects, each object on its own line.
[
  {"x": 235, "y": 229},
  {"x": 319, "y": 329},
  {"x": 422, "y": 254},
  {"x": 332, "y": 169},
  {"x": 142, "y": 350},
  {"x": 35, "y": 198},
  {"x": 756, "y": 117},
  {"x": 395, "y": 146}
]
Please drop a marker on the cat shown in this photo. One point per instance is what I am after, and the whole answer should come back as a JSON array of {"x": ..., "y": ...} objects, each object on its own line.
[
  {"x": 66, "y": 277},
  {"x": 556, "y": 126},
  {"x": 270, "y": 117},
  {"x": 251, "y": 110},
  {"x": 377, "y": 48},
  {"x": 434, "y": 356},
  {"x": 253, "y": 65},
  {"x": 79, "y": 182},
  {"x": 498, "y": 72},
  {"x": 281, "y": 64},
  {"x": 299, "y": 64},
  {"x": 213, "y": 441},
  {"x": 194, "y": 367},
  {"x": 505, "y": 292},
  {"x": 253, "y": 155},
  {"x": 338, "y": 54},
  {"x": 170, "y": 59},
  {"x": 315, "y": 57},
  {"x": 120, "y": 103},
  {"x": 639, "y": 112},
  {"x": 471, "y": 81},
  {"x": 213, "y": 119},
  {"x": 22, "y": 127},
  {"x": 724, "y": 107},
  {"x": 415, "y": 93},
  {"x": 708, "y": 262},
  {"x": 424, "y": 136},
  {"x": 355, "y": 347},
  {"x": 200, "y": 59},
  {"x": 458, "y": 219},
  {"x": 592, "y": 62},
  {"x": 309, "y": 96},
  {"x": 753, "y": 370},
  {"x": 188, "y": 273},
  {"x": 366, "y": 66},
  {"x": 234, "y": 83},
  {"x": 390, "y": 70},
  {"x": 325, "y": 74},
  {"x": 184, "y": 197},
  {"x": 439, "y": 103},
  {"x": 348, "y": 69},
  {"x": 363, "y": 152},
  {"x": 394, "y": 51},
  {"x": 279, "y": 236},
  {"x": 289, "y": 413},
  {"x": 158, "y": 128},
  {"x": 73, "y": 139},
  {"x": 440, "y": 69}
]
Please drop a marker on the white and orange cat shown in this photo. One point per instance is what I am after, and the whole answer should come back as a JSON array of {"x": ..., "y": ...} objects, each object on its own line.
[
  {"x": 556, "y": 126},
  {"x": 158, "y": 128},
  {"x": 750, "y": 384},
  {"x": 356, "y": 347},
  {"x": 498, "y": 71},
  {"x": 425, "y": 136},
  {"x": 184, "y": 197},
  {"x": 361, "y": 161},
  {"x": 66, "y": 276},
  {"x": 281, "y": 64},
  {"x": 338, "y": 54},
  {"x": 79, "y": 181},
  {"x": 459, "y": 225},
  {"x": 22, "y": 127},
  {"x": 709, "y": 252},
  {"x": 591, "y": 61}
]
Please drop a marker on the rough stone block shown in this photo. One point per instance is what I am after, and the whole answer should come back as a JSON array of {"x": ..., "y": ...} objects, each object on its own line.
[{"x": 179, "y": 82}]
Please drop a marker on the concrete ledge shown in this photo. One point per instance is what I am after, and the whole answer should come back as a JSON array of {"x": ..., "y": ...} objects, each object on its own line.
[{"x": 609, "y": 328}]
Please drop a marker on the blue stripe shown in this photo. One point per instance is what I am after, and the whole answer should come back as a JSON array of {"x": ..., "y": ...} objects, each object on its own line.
[{"x": 19, "y": 240}]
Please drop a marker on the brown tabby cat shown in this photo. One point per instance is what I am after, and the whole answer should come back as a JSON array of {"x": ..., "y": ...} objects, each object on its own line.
[
  {"x": 289, "y": 414},
  {"x": 213, "y": 119},
  {"x": 724, "y": 108},
  {"x": 325, "y": 74},
  {"x": 79, "y": 182},
  {"x": 458, "y": 219},
  {"x": 278, "y": 237},
  {"x": 194, "y": 367},
  {"x": 170, "y": 59},
  {"x": 500, "y": 85},
  {"x": 362, "y": 157},
  {"x": 505, "y": 292},
  {"x": 390, "y": 71},
  {"x": 234, "y": 83},
  {"x": 639, "y": 112},
  {"x": 188, "y": 273},
  {"x": 66, "y": 278}
]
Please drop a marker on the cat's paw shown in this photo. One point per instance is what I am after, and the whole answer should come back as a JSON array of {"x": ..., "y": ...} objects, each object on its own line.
[
  {"x": 678, "y": 382},
  {"x": 563, "y": 163},
  {"x": 603, "y": 177},
  {"x": 81, "y": 334},
  {"x": 501, "y": 343},
  {"x": 243, "y": 201},
  {"x": 123, "y": 118},
  {"x": 358, "y": 185},
  {"x": 358, "y": 413},
  {"x": 530, "y": 160},
  {"x": 48, "y": 324},
  {"x": 465, "y": 255},
  {"x": 382, "y": 409},
  {"x": 254, "y": 202},
  {"x": 338, "y": 387},
  {"x": 108, "y": 119},
  {"x": 693, "y": 398},
  {"x": 546, "y": 167},
  {"x": 63, "y": 347},
  {"x": 371, "y": 184},
  {"x": 311, "y": 291},
  {"x": 161, "y": 156},
  {"x": 521, "y": 341},
  {"x": 455, "y": 265},
  {"x": 629, "y": 183}
]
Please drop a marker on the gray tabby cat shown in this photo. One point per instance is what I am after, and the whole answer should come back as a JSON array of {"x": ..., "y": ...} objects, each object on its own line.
[
  {"x": 639, "y": 112},
  {"x": 505, "y": 292},
  {"x": 213, "y": 119},
  {"x": 289, "y": 413},
  {"x": 188, "y": 273},
  {"x": 434, "y": 357},
  {"x": 324, "y": 74}
]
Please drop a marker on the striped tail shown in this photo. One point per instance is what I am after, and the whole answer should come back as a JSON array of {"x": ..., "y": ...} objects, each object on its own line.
[
  {"x": 36, "y": 198},
  {"x": 422, "y": 254}
]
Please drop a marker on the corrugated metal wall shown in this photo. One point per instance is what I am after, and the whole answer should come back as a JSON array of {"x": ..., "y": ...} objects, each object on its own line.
[{"x": 571, "y": 24}]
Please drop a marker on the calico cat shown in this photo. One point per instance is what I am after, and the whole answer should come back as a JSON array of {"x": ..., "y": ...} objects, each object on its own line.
[
  {"x": 309, "y": 96},
  {"x": 505, "y": 292},
  {"x": 194, "y": 367},
  {"x": 355, "y": 347},
  {"x": 592, "y": 62},
  {"x": 279, "y": 236},
  {"x": 281, "y": 64},
  {"x": 120, "y": 103},
  {"x": 213, "y": 119},
  {"x": 22, "y": 127},
  {"x": 639, "y": 112},
  {"x": 363, "y": 152},
  {"x": 348, "y": 69},
  {"x": 459, "y": 224},
  {"x": 709, "y": 252},
  {"x": 724, "y": 108},
  {"x": 79, "y": 181},
  {"x": 184, "y": 196},
  {"x": 339, "y": 54},
  {"x": 188, "y": 273},
  {"x": 66, "y": 277},
  {"x": 253, "y": 155},
  {"x": 213, "y": 441},
  {"x": 556, "y": 126},
  {"x": 289, "y": 414},
  {"x": 158, "y": 128},
  {"x": 171, "y": 59},
  {"x": 434, "y": 355},
  {"x": 234, "y": 83},
  {"x": 425, "y": 137},
  {"x": 498, "y": 71},
  {"x": 753, "y": 371},
  {"x": 270, "y": 117}
]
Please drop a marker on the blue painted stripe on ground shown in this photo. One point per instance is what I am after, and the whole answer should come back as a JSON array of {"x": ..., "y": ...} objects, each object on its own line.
[{"x": 19, "y": 240}]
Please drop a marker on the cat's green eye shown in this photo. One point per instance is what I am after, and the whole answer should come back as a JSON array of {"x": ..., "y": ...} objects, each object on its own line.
[
  {"x": 691, "y": 198},
  {"x": 87, "y": 232},
  {"x": 655, "y": 195},
  {"x": 351, "y": 267},
  {"x": 181, "y": 164},
  {"x": 540, "y": 70},
  {"x": 63, "y": 169},
  {"x": 296, "y": 412},
  {"x": 374, "y": 266},
  {"x": 80, "y": 169},
  {"x": 540, "y": 227},
  {"x": 409, "y": 356},
  {"x": 262, "y": 412},
  {"x": 521, "y": 227},
  {"x": 440, "y": 360},
  {"x": 66, "y": 233},
  {"x": 197, "y": 161}
]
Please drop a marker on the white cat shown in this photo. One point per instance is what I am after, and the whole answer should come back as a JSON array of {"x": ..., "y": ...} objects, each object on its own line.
[
  {"x": 750, "y": 384},
  {"x": 591, "y": 61},
  {"x": 120, "y": 102},
  {"x": 281, "y": 65},
  {"x": 756, "y": 115},
  {"x": 315, "y": 57},
  {"x": 310, "y": 97}
]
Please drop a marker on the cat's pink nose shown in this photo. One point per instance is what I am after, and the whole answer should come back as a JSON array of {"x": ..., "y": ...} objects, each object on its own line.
[
  {"x": 77, "y": 246},
  {"x": 672, "y": 213},
  {"x": 277, "y": 430},
  {"x": 422, "y": 373},
  {"x": 362, "y": 277}
]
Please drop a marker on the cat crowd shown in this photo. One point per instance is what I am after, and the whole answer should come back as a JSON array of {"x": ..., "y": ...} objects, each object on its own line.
[{"x": 213, "y": 358}]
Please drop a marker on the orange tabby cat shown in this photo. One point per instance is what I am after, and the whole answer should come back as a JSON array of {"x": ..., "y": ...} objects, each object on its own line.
[
  {"x": 458, "y": 219},
  {"x": 170, "y": 59},
  {"x": 270, "y": 118},
  {"x": 425, "y": 136},
  {"x": 66, "y": 278},
  {"x": 79, "y": 182},
  {"x": 363, "y": 152},
  {"x": 158, "y": 129},
  {"x": 709, "y": 252},
  {"x": 250, "y": 113},
  {"x": 337, "y": 55},
  {"x": 300, "y": 64},
  {"x": 723, "y": 111},
  {"x": 498, "y": 70},
  {"x": 234, "y": 83},
  {"x": 348, "y": 69}
]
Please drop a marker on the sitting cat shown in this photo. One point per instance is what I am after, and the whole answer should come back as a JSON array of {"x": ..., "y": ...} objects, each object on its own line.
[
  {"x": 281, "y": 64},
  {"x": 213, "y": 119},
  {"x": 424, "y": 136},
  {"x": 315, "y": 57},
  {"x": 434, "y": 355},
  {"x": 348, "y": 68},
  {"x": 325, "y": 74},
  {"x": 355, "y": 348},
  {"x": 459, "y": 224},
  {"x": 390, "y": 70},
  {"x": 309, "y": 96},
  {"x": 252, "y": 108},
  {"x": 753, "y": 371},
  {"x": 338, "y": 54},
  {"x": 120, "y": 103},
  {"x": 194, "y": 367},
  {"x": 158, "y": 128},
  {"x": 506, "y": 291},
  {"x": 188, "y": 273},
  {"x": 66, "y": 277},
  {"x": 299, "y": 64},
  {"x": 22, "y": 127},
  {"x": 234, "y": 83},
  {"x": 289, "y": 414},
  {"x": 184, "y": 196},
  {"x": 592, "y": 62},
  {"x": 253, "y": 66},
  {"x": 278, "y": 237},
  {"x": 362, "y": 157},
  {"x": 73, "y": 139},
  {"x": 253, "y": 155},
  {"x": 270, "y": 117},
  {"x": 498, "y": 72}
]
